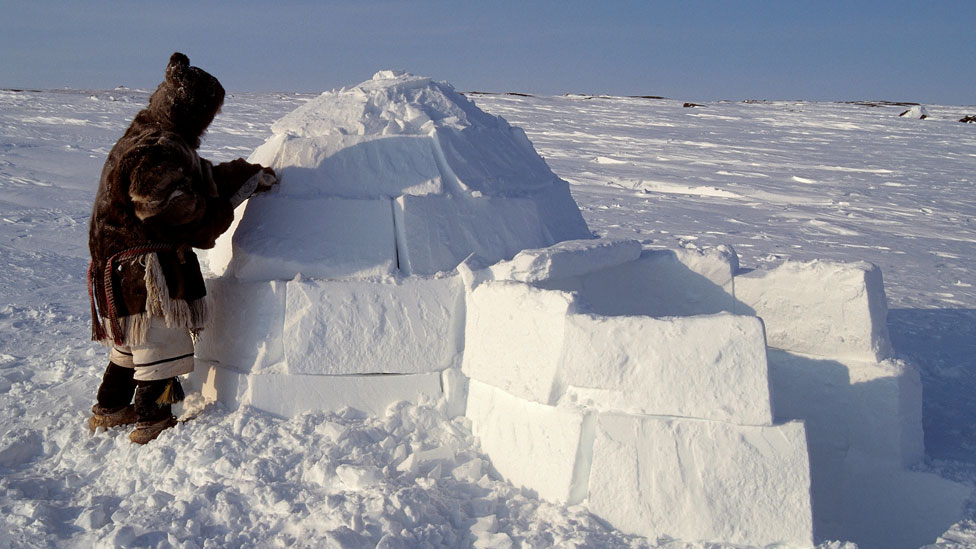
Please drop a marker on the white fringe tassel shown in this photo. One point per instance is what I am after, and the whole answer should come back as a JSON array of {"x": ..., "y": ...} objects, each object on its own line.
[{"x": 176, "y": 312}]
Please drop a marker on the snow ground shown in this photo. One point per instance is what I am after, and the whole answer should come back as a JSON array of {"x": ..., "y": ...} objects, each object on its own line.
[{"x": 777, "y": 180}]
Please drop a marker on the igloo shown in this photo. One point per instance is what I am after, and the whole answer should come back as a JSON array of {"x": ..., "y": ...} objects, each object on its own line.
[{"x": 419, "y": 249}]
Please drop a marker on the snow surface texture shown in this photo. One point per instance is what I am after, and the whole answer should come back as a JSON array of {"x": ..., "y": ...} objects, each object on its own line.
[{"x": 779, "y": 181}]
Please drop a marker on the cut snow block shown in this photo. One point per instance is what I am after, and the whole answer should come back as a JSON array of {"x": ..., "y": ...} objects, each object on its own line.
[
  {"x": 560, "y": 214},
  {"x": 357, "y": 327},
  {"x": 698, "y": 480},
  {"x": 707, "y": 366},
  {"x": 886, "y": 507},
  {"x": 435, "y": 233},
  {"x": 659, "y": 283},
  {"x": 279, "y": 237},
  {"x": 355, "y": 166},
  {"x": 534, "y": 446},
  {"x": 288, "y": 395},
  {"x": 851, "y": 407},
  {"x": 571, "y": 258},
  {"x": 221, "y": 384},
  {"x": 491, "y": 159},
  {"x": 245, "y": 325},
  {"x": 514, "y": 337},
  {"x": 822, "y": 308}
]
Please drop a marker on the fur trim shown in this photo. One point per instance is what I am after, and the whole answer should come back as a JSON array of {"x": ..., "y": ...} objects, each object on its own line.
[
  {"x": 177, "y": 312},
  {"x": 134, "y": 327}
]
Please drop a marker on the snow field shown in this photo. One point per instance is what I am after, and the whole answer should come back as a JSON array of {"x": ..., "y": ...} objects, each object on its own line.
[{"x": 244, "y": 478}]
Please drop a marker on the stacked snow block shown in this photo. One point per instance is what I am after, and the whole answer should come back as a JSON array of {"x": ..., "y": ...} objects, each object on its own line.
[
  {"x": 632, "y": 281},
  {"x": 297, "y": 345},
  {"x": 830, "y": 365},
  {"x": 638, "y": 416}
]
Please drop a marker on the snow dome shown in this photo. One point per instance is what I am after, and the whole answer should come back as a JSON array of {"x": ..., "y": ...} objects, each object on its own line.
[{"x": 399, "y": 174}]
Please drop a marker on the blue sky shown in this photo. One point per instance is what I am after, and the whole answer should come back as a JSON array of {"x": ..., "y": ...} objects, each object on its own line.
[{"x": 692, "y": 50}]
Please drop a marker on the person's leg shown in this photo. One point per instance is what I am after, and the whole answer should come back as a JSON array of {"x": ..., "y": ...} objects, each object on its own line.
[
  {"x": 117, "y": 387},
  {"x": 112, "y": 401},
  {"x": 167, "y": 354}
]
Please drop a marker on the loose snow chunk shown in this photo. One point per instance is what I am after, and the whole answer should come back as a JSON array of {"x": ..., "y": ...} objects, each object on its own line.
[
  {"x": 702, "y": 480},
  {"x": 280, "y": 237},
  {"x": 822, "y": 308},
  {"x": 710, "y": 366},
  {"x": 245, "y": 328},
  {"x": 435, "y": 233},
  {"x": 566, "y": 259},
  {"x": 356, "y": 327},
  {"x": 532, "y": 445},
  {"x": 514, "y": 337},
  {"x": 679, "y": 282}
]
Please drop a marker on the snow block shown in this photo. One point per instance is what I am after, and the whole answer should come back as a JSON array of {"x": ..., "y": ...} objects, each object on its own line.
[
  {"x": 514, "y": 337},
  {"x": 288, "y": 395},
  {"x": 280, "y": 237},
  {"x": 493, "y": 159},
  {"x": 822, "y": 308},
  {"x": 357, "y": 327},
  {"x": 530, "y": 343},
  {"x": 560, "y": 215},
  {"x": 245, "y": 328},
  {"x": 353, "y": 166},
  {"x": 682, "y": 282},
  {"x": 541, "y": 448},
  {"x": 700, "y": 480},
  {"x": 571, "y": 258},
  {"x": 886, "y": 507},
  {"x": 435, "y": 233},
  {"x": 871, "y": 409},
  {"x": 864, "y": 426},
  {"x": 708, "y": 366}
]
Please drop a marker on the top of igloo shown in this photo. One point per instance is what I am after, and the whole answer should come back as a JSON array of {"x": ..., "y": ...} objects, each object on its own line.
[
  {"x": 390, "y": 103},
  {"x": 399, "y": 174}
]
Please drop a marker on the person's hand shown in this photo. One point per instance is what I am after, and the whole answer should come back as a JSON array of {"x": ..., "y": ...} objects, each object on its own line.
[
  {"x": 266, "y": 180},
  {"x": 261, "y": 182}
]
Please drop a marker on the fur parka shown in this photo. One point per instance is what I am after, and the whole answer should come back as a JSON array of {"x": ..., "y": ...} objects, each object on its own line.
[{"x": 156, "y": 200}]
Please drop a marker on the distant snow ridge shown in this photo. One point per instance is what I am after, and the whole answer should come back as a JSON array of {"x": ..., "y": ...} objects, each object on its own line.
[{"x": 398, "y": 174}]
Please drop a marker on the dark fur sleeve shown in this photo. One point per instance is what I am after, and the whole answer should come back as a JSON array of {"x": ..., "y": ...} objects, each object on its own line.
[{"x": 171, "y": 204}]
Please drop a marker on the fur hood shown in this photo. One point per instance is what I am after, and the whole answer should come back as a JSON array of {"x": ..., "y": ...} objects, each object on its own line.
[{"x": 187, "y": 101}]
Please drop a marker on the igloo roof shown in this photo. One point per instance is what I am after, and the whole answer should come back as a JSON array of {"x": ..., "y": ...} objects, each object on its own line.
[{"x": 398, "y": 174}]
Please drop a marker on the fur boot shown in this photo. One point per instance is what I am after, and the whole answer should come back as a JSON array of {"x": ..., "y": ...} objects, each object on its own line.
[
  {"x": 113, "y": 399},
  {"x": 153, "y": 405}
]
